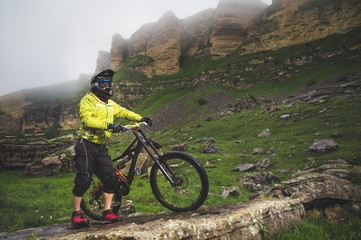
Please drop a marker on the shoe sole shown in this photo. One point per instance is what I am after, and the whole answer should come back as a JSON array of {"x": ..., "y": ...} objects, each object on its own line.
[
  {"x": 80, "y": 225},
  {"x": 109, "y": 222}
]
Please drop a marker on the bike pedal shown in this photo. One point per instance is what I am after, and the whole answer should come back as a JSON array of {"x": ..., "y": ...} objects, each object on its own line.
[{"x": 115, "y": 204}]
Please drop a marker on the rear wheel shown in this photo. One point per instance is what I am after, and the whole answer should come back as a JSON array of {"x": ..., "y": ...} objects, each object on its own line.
[
  {"x": 191, "y": 182},
  {"x": 92, "y": 203}
]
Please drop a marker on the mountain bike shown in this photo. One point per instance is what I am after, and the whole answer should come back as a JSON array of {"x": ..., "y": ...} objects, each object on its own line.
[{"x": 178, "y": 181}]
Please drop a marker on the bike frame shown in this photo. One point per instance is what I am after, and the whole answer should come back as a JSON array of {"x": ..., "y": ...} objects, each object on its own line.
[{"x": 132, "y": 152}]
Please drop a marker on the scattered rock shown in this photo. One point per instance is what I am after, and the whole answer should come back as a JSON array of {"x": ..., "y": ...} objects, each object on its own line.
[
  {"x": 257, "y": 151},
  {"x": 179, "y": 147},
  {"x": 323, "y": 146},
  {"x": 263, "y": 164},
  {"x": 209, "y": 148},
  {"x": 272, "y": 150},
  {"x": 231, "y": 192},
  {"x": 211, "y": 140},
  {"x": 254, "y": 181},
  {"x": 285, "y": 116},
  {"x": 265, "y": 133},
  {"x": 245, "y": 167},
  {"x": 201, "y": 140}
]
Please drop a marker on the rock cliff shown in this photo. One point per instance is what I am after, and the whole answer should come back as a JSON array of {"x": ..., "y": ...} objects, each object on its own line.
[
  {"x": 215, "y": 31},
  {"x": 232, "y": 19},
  {"x": 234, "y": 23},
  {"x": 290, "y": 22}
]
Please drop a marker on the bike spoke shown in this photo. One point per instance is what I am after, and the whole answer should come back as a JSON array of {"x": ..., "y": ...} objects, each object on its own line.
[{"x": 187, "y": 193}]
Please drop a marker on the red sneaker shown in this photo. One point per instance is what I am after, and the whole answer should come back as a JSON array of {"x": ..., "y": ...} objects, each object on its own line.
[
  {"x": 109, "y": 217},
  {"x": 79, "y": 220}
]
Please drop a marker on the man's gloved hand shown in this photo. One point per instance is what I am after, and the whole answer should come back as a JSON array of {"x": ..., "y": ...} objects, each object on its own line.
[
  {"x": 147, "y": 120},
  {"x": 115, "y": 127}
]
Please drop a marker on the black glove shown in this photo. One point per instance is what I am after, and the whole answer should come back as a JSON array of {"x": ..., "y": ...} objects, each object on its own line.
[
  {"x": 147, "y": 120},
  {"x": 115, "y": 127}
]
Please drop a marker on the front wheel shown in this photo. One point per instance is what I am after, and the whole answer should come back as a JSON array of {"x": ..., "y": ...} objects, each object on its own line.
[{"x": 191, "y": 182}]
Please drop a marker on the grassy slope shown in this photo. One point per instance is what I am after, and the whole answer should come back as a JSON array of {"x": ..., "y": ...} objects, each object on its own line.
[{"x": 51, "y": 196}]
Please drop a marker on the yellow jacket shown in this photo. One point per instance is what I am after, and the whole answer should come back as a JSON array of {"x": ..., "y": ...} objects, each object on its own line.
[{"x": 95, "y": 116}]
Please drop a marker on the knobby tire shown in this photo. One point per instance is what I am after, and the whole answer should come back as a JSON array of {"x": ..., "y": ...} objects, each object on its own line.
[{"x": 193, "y": 190}]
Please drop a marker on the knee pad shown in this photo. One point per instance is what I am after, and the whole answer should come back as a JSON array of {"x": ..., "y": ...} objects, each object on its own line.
[
  {"x": 111, "y": 184},
  {"x": 80, "y": 189}
]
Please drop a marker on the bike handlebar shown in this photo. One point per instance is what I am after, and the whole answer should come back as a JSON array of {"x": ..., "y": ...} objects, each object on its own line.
[{"x": 134, "y": 126}]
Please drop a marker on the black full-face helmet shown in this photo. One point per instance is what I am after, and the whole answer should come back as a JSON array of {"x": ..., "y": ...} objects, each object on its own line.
[{"x": 101, "y": 84}]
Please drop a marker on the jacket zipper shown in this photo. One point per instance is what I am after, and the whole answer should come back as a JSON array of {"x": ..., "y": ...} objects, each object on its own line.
[{"x": 105, "y": 134}]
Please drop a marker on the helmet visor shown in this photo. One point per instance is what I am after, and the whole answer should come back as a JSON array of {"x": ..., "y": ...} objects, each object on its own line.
[{"x": 103, "y": 83}]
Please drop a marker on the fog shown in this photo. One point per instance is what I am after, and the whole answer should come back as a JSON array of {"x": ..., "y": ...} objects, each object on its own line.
[{"x": 50, "y": 41}]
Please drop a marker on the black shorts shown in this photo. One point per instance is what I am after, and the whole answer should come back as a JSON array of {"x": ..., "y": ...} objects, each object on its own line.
[{"x": 91, "y": 158}]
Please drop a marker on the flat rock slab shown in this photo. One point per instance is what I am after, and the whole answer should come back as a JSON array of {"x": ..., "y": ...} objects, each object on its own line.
[{"x": 231, "y": 221}]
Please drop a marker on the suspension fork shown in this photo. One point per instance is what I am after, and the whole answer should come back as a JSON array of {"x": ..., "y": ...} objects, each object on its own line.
[{"x": 145, "y": 142}]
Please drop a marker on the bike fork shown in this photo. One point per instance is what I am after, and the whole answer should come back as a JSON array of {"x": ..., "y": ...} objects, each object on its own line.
[{"x": 144, "y": 140}]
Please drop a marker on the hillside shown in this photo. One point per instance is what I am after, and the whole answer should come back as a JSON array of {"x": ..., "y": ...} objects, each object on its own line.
[
  {"x": 239, "y": 136},
  {"x": 238, "y": 45}
]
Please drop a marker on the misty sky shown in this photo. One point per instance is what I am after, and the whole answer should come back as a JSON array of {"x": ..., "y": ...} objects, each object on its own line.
[{"x": 49, "y": 41}]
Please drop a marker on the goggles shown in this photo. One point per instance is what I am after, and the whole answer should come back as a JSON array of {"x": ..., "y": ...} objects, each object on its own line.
[{"x": 103, "y": 83}]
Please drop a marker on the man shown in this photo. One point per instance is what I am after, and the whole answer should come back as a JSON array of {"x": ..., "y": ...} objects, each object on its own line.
[{"x": 97, "y": 112}]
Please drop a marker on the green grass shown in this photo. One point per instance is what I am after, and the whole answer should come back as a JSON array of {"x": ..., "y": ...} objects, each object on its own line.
[
  {"x": 322, "y": 228},
  {"x": 34, "y": 201}
]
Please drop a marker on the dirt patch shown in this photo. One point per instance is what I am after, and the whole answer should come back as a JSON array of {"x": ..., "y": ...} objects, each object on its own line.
[
  {"x": 179, "y": 110},
  {"x": 218, "y": 101},
  {"x": 170, "y": 114}
]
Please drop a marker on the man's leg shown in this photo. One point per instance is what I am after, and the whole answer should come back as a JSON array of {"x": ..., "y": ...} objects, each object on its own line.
[
  {"x": 108, "y": 197},
  {"x": 108, "y": 215},
  {"x": 76, "y": 203},
  {"x": 82, "y": 180},
  {"x": 110, "y": 180}
]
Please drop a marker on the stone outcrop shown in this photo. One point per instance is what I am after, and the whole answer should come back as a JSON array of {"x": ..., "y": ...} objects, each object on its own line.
[
  {"x": 118, "y": 52},
  {"x": 164, "y": 45},
  {"x": 196, "y": 35},
  {"x": 220, "y": 31},
  {"x": 232, "y": 19},
  {"x": 232, "y": 221},
  {"x": 18, "y": 156},
  {"x": 54, "y": 164},
  {"x": 214, "y": 31},
  {"x": 323, "y": 185},
  {"x": 160, "y": 44},
  {"x": 291, "y": 22}
]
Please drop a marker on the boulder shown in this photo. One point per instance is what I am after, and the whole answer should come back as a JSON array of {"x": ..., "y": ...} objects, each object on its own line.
[
  {"x": 323, "y": 146},
  {"x": 231, "y": 192},
  {"x": 257, "y": 151},
  {"x": 326, "y": 185},
  {"x": 272, "y": 150},
  {"x": 53, "y": 164},
  {"x": 209, "y": 148},
  {"x": 245, "y": 167},
  {"x": 179, "y": 147},
  {"x": 263, "y": 164},
  {"x": 254, "y": 181},
  {"x": 265, "y": 133}
]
